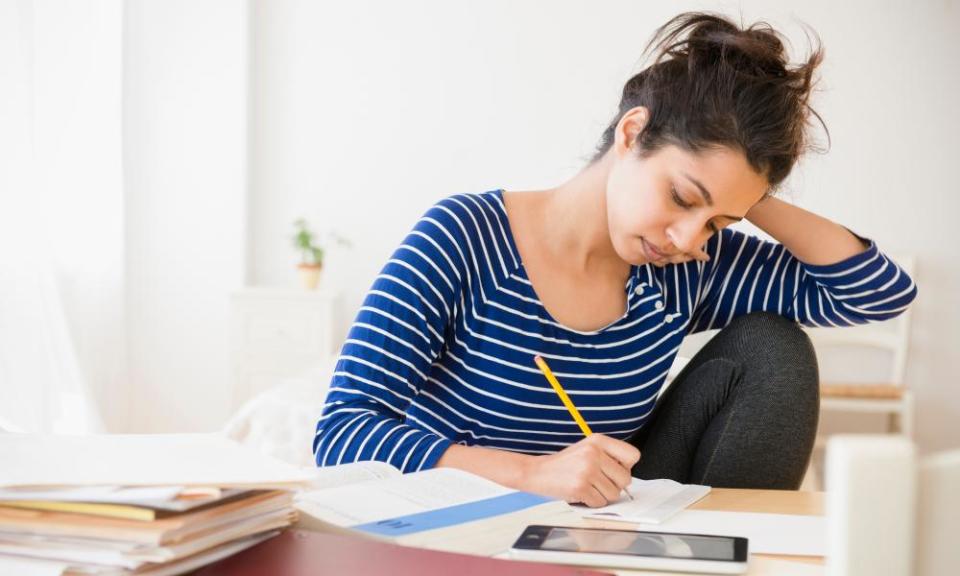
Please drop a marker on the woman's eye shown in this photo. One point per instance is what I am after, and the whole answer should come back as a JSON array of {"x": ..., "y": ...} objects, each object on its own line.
[
  {"x": 683, "y": 204},
  {"x": 677, "y": 199}
]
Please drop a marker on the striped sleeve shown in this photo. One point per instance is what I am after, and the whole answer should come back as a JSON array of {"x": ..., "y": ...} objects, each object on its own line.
[
  {"x": 398, "y": 332},
  {"x": 746, "y": 274}
]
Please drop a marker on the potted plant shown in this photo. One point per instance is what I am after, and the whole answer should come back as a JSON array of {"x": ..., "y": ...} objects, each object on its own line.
[{"x": 311, "y": 254}]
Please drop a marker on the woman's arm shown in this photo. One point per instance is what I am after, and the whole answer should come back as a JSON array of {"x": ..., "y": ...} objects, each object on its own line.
[
  {"x": 817, "y": 274},
  {"x": 812, "y": 239},
  {"x": 506, "y": 468},
  {"x": 398, "y": 332}
]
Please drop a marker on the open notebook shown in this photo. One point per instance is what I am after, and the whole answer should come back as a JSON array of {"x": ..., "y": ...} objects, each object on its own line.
[
  {"x": 428, "y": 508},
  {"x": 654, "y": 501}
]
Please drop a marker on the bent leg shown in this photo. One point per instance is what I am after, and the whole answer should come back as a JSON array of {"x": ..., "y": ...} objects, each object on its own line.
[{"x": 742, "y": 414}]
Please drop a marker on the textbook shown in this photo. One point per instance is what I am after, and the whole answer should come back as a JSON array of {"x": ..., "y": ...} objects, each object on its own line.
[{"x": 441, "y": 508}]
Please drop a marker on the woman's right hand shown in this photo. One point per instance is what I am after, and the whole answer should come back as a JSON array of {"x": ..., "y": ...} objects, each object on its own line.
[{"x": 593, "y": 471}]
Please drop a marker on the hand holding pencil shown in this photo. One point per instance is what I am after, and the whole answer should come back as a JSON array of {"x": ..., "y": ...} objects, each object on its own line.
[{"x": 608, "y": 460}]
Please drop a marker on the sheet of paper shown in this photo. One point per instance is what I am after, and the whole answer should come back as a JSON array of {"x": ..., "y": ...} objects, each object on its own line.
[
  {"x": 352, "y": 473},
  {"x": 139, "y": 460},
  {"x": 367, "y": 502},
  {"x": 758, "y": 566},
  {"x": 29, "y": 567},
  {"x": 69, "y": 555},
  {"x": 190, "y": 563},
  {"x": 768, "y": 533},
  {"x": 654, "y": 501},
  {"x": 107, "y": 494}
]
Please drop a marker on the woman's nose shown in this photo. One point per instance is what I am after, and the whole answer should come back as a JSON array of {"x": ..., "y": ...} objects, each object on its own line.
[{"x": 687, "y": 237}]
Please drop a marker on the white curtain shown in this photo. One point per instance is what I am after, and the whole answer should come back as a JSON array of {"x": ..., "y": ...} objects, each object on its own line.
[{"x": 61, "y": 215}]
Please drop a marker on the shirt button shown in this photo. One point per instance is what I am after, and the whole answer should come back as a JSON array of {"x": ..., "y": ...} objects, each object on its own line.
[
  {"x": 658, "y": 305},
  {"x": 638, "y": 290},
  {"x": 668, "y": 319}
]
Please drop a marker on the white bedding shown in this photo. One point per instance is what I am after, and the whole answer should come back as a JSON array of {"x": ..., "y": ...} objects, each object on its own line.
[{"x": 281, "y": 421}]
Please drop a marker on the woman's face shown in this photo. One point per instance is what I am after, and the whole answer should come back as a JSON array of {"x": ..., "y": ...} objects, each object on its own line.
[{"x": 662, "y": 209}]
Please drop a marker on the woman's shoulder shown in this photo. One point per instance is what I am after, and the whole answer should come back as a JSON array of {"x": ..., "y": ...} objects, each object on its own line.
[
  {"x": 471, "y": 203},
  {"x": 466, "y": 214}
]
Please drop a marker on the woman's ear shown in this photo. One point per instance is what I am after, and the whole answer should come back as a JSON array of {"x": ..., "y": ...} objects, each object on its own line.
[{"x": 629, "y": 127}]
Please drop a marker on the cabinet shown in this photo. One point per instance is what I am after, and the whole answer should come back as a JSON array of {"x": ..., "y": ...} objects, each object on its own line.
[{"x": 279, "y": 333}]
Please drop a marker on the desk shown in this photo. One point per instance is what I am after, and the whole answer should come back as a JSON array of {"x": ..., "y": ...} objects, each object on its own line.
[
  {"x": 763, "y": 501},
  {"x": 494, "y": 541}
]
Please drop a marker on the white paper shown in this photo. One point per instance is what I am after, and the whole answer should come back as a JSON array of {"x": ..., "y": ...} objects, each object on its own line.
[
  {"x": 30, "y": 567},
  {"x": 25, "y": 539},
  {"x": 70, "y": 555},
  {"x": 208, "y": 557},
  {"x": 758, "y": 566},
  {"x": 352, "y": 473},
  {"x": 654, "y": 501},
  {"x": 767, "y": 533},
  {"x": 105, "y": 494},
  {"x": 139, "y": 460},
  {"x": 400, "y": 496}
]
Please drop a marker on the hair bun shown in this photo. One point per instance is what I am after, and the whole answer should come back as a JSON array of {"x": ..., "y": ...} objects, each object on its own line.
[
  {"x": 714, "y": 83},
  {"x": 708, "y": 40}
]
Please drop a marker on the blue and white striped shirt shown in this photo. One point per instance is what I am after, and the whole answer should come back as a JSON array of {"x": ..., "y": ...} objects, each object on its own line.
[{"x": 442, "y": 348}]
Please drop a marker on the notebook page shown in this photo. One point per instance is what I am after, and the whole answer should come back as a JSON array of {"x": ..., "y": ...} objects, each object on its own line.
[
  {"x": 353, "y": 473},
  {"x": 654, "y": 501},
  {"x": 401, "y": 496}
]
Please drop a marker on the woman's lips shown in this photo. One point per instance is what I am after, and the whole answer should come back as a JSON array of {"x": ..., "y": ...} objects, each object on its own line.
[{"x": 652, "y": 252}]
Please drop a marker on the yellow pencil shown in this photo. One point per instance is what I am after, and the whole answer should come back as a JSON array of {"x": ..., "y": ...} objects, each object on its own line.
[{"x": 584, "y": 427}]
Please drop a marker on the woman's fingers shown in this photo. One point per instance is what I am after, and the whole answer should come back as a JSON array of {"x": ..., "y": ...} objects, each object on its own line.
[
  {"x": 608, "y": 491},
  {"x": 624, "y": 453},
  {"x": 617, "y": 474}
]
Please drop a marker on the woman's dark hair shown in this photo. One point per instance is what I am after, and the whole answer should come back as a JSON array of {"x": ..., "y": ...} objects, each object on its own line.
[{"x": 715, "y": 84}]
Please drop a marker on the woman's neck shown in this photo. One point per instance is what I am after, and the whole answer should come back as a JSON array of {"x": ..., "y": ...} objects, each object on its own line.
[{"x": 575, "y": 222}]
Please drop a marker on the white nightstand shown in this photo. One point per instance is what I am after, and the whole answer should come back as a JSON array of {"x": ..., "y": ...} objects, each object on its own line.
[{"x": 279, "y": 333}]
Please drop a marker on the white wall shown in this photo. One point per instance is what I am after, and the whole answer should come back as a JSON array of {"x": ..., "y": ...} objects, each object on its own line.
[
  {"x": 61, "y": 228},
  {"x": 364, "y": 113},
  {"x": 185, "y": 80}
]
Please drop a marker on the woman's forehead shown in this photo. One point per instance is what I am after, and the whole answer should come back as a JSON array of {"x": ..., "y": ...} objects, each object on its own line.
[{"x": 720, "y": 174}]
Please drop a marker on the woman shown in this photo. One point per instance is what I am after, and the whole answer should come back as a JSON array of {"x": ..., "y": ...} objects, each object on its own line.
[{"x": 603, "y": 276}]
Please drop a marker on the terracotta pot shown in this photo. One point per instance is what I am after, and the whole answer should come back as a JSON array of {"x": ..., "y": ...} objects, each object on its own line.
[{"x": 310, "y": 275}]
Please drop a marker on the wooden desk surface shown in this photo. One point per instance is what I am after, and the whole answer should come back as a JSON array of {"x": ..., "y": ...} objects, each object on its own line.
[{"x": 767, "y": 501}]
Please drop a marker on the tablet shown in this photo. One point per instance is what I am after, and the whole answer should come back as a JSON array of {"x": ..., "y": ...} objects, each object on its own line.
[{"x": 616, "y": 548}]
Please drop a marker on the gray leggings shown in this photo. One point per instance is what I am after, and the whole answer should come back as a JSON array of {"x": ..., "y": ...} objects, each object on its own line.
[{"x": 742, "y": 414}]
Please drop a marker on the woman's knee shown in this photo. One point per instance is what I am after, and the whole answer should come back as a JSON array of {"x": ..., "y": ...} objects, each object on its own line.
[
  {"x": 776, "y": 352},
  {"x": 772, "y": 337}
]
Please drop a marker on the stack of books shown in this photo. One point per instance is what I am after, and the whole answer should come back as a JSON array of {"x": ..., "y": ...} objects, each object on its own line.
[{"x": 151, "y": 505}]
